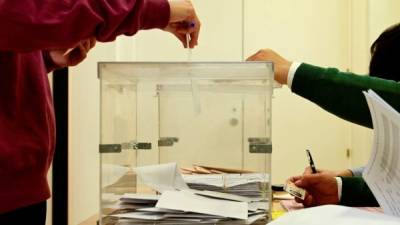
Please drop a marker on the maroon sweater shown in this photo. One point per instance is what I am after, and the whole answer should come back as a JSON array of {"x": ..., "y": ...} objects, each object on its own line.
[{"x": 28, "y": 28}]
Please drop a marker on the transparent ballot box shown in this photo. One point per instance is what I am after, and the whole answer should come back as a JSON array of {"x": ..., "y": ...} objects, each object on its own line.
[{"x": 185, "y": 143}]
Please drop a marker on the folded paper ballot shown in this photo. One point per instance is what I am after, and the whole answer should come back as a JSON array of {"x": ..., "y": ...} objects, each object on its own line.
[
  {"x": 162, "y": 216},
  {"x": 158, "y": 210},
  {"x": 226, "y": 180},
  {"x": 202, "y": 169},
  {"x": 168, "y": 221},
  {"x": 225, "y": 196},
  {"x": 256, "y": 206},
  {"x": 188, "y": 201},
  {"x": 192, "y": 208},
  {"x": 141, "y": 216},
  {"x": 140, "y": 198},
  {"x": 247, "y": 185},
  {"x": 237, "y": 199},
  {"x": 164, "y": 177}
]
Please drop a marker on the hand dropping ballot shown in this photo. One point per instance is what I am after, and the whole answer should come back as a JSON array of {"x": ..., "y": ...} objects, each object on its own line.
[{"x": 292, "y": 189}]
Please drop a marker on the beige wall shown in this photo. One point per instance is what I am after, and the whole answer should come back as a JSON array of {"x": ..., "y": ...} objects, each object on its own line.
[
  {"x": 370, "y": 19},
  {"x": 328, "y": 33},
  {"x": 310, "y": 31},
  {"x": 84, "y": 135},
  {"x": 291, "y": 28},
  {"x": 382, "y": 14}
]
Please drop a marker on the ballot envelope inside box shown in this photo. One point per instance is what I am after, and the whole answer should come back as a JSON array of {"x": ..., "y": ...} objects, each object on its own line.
[{"x": 199, "y": 133}]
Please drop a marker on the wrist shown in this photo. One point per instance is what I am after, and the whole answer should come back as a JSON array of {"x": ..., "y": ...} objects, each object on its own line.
[
  {"x": 282, "y": 72},
  {"x": 291, "y": 73},
  {"x": 49, "y": 62},
  {"x": 339, "y": 188},
  {"x": 345, "y": 173},
  {"x": 288, "y": 65},
  {"x": 180, "y": 10}
]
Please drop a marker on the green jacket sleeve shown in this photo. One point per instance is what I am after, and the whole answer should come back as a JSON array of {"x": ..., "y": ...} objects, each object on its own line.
[
  {"x": 341, "y": 93},
  {"x": 355, "y": 192}
]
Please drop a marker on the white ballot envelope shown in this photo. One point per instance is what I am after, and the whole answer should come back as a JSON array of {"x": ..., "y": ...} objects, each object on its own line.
[
  {"x": 163, "y": 177},
  {"x": 190, "y": 202}
]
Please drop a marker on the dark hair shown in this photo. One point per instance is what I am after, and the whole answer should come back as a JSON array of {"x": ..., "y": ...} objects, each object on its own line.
[{"x": 385, "y": 55}]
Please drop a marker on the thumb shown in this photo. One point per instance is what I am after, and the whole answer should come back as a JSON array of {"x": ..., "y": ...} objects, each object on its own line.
[
  {"x": 307, "y": 170},
  {"x": 307, "y": 180}
]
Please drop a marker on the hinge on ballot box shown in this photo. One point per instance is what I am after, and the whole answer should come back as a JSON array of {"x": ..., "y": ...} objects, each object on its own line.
[
  {"x": 117, "y": 148},
  {"x": 167, "y": 141},
  {"x": 260, "y": 145}
]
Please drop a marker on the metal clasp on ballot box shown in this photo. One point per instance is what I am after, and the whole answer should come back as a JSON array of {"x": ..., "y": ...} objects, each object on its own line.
[
  {"x": 134, "y": 145},
  {"x": 117, "y": 148},
  {"x": 260, "y": 145}
]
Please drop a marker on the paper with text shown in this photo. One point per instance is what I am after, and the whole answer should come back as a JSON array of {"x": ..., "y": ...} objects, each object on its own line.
[
  {"x": 334, "y": 215},
  {"x": 382, "y": 173}
]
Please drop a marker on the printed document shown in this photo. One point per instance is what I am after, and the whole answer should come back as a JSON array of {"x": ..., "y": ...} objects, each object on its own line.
[
  {"x": 335, "y": 215},
  {"x": 382, "y": 173}
]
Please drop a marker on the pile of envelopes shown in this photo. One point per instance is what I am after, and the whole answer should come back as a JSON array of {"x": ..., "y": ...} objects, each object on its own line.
[{"x": 208, "y": 199}]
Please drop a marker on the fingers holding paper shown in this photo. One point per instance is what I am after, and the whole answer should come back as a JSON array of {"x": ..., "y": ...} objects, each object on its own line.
[
  {"x": 73, "y": 56},
  {"x": 281, "y": 65},
  {"x": 184, "y": 20},
  {"x": 321, "y": 189}
]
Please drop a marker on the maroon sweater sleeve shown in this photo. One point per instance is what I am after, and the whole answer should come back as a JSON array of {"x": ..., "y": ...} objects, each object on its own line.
[{"x": 27, "y": 25}]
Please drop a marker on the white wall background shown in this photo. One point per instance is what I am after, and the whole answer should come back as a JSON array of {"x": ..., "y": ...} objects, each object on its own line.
[{"x": 327, "y": 33}]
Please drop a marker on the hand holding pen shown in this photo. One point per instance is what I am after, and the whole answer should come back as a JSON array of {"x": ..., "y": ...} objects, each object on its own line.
[
  {"x": 311, "y": 161},
  {"x": 320, "y": 187},
  {"x": 313, "y": 170}
]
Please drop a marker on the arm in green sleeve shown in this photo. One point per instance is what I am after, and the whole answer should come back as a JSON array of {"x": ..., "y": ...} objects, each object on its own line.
[
  {"x": 341, "y": 93},
  {"x": 355, "y": 192}
]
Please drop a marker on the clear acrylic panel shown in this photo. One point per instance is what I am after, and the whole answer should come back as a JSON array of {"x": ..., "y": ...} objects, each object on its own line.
[{"x": 214, "y": 117}]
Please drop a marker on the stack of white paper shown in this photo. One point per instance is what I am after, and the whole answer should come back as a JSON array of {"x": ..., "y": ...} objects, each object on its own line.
[
  {"x": 178, "y": 204},
  {"x": 164, "y": 177},
  {"x": 187, "y": 206},
  {"x": 188, "y": 201},
  {"x": 382, "y": 173},
  {"x": 249, "y": 185}
]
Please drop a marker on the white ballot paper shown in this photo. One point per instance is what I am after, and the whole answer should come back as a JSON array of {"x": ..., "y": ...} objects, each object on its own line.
[
  {"x": 334, "y": 215},
  {"x": 188, "y": 201},
  {"x": 220, "y": 195},
  {"x": 139, "y": 198},
  {"x": 164, "y": 177},
  {"x": 226, "y": 180},
  {"x": 382, "y": 172}
]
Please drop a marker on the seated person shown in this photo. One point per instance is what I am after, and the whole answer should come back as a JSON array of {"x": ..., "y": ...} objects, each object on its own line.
[
  {"x": 341, "y": 94},
  {"x": 385, "y": 52}
]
